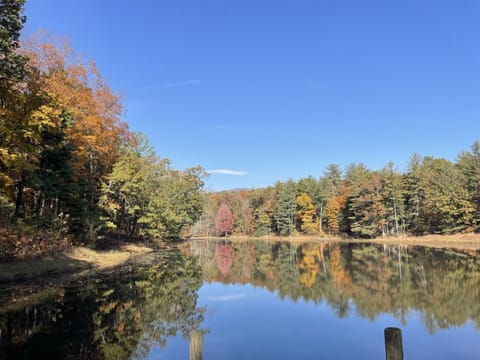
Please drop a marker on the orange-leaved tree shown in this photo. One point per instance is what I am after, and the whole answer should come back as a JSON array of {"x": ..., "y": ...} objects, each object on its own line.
[{"x": 95, "y": 130}]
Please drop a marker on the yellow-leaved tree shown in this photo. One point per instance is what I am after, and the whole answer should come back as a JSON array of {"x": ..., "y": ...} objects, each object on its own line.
[{"x": 307, "y": 214}]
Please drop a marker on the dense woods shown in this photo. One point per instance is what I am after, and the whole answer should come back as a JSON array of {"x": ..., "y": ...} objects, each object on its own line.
[
  {"x": 70, "y": 170},
  {"x": 69, "y": 167},
  {"x": 433, "y": 196}
]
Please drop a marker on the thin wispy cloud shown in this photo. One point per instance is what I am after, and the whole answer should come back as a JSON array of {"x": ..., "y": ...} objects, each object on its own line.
[
  {"x": 227, "y": 172},
  {"x": 183, "y": 83},
  {"x": 227, "y": 297}
]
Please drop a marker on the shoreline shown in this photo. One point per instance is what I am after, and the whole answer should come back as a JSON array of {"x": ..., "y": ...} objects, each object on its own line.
[
  {"x": 75, "y": 261},
  {"x": 79, "y": 261},
  {"x": 470, "y": 241}
]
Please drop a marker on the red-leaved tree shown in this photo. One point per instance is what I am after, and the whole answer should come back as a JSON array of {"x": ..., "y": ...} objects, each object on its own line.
[{"x": 223, "y": 220}]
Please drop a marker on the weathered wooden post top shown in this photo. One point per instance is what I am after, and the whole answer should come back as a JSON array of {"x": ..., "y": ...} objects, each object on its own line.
[{"x": 393, "y": 343}]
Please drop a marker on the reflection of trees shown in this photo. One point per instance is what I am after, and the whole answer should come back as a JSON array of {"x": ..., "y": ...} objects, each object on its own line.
[
  {"x": 116, "y": 317},
  {"x": 339, "y": 275},
  {"x": 309, "y": 264},
  {"x": 224, "y": 256},
  {"x": 263, "y": 265},
  {"x": 163, "y": 304},
  {"x": 443, "y": 285},
  {"x": 287, "y": 271}
]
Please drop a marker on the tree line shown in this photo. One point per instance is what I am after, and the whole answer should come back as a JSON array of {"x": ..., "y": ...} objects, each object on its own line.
[
  {"x": 69, "y": 166},
  {"x": 433, "y": 196}
]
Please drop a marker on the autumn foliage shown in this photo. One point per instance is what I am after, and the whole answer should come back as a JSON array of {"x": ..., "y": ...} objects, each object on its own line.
[
  {"x": 224, "y": 220},
  {"x": 69, "y": 167},
  {"x": 434, "y": 196},
  {"x": 307, "y": 215}
]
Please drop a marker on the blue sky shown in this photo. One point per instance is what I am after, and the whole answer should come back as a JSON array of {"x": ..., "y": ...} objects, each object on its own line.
[{"x": 273, "y": 90}]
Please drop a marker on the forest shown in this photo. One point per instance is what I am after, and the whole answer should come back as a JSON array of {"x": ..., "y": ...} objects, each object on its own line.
[
  {"x": 433, "y": 196},
  {"x": 70, "y": 170}
]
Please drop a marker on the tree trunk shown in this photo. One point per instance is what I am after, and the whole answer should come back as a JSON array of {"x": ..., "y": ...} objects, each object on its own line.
[
  {"x": 18, "y": 199},
  {"x": 395, "y": 215},
  {"x": 321, "y": 218}
]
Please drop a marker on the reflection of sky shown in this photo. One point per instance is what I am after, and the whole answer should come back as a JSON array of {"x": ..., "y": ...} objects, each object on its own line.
[
  {"x": 245, "y": 322},
  {"x": 230, "y": 297}
]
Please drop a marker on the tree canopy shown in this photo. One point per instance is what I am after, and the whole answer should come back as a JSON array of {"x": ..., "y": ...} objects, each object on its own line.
[{"x": 70, "y": 170}]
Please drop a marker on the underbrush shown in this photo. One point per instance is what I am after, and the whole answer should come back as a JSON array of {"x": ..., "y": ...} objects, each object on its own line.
[{"x": 27, "y": 241}]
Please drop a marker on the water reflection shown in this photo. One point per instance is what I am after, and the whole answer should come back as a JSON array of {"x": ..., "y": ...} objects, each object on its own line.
[
  {"x": 111, "y": 317},
  {"x": 232, "y": 299},
  {"x": 442, "y": 285}
]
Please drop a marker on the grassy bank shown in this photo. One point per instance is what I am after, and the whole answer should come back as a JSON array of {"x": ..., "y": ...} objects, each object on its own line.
[
  {"x": 76, "y": 259},
  {"x": 457, "y": 241}
]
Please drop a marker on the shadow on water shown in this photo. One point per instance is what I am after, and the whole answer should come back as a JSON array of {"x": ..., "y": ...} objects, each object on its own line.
[
  {"x": 107, "y": 317},
  {"x": 26, "y": 270}
]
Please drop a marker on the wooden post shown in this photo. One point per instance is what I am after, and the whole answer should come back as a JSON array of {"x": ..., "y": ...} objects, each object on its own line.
[
  {"x": 393, "y": 343},
  {"x": 196, "y": 345}
]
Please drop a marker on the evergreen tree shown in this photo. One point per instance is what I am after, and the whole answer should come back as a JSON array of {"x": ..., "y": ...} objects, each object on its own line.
[
  {"x": 469, "y": 165},
  {"x": 442, "y": 204},
  {"x": 12, "y": 64},
  {"x": 333, "y": 177},
  {"x": 285, "y": 208},
  {"x": 128, "y": 191},
  {"x": 366, "y": 208},
  {"x": 262, "y": 222},
  {"x": 414, "y": 194},
  {"x": 393, "y": 194},
  {"x": 356, "y": 176},
  {"x": 12, "y": 74}
]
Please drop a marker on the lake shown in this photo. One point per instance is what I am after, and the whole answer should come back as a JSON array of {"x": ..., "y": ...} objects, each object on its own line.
[{"x": 255, "y": 300}]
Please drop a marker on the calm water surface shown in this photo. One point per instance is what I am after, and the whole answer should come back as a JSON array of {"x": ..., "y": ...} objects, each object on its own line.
[{"x": 256, "y": 300}]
